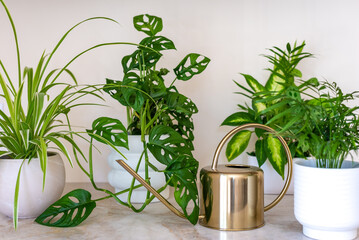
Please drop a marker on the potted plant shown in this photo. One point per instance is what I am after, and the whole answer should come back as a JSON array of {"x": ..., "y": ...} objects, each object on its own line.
[
  {"x": 158, "y": 140},
  {"x": 326, "y": 192},
  {"x": 282, "y": 78},
  {"x": 33, "y": 131}
]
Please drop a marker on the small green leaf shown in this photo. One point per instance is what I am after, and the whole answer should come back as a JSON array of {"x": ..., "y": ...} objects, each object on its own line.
[
  {"x": 158, "y": 43},
  {"x": 191, "y": 65},
  {"x": 261, "y": 152},
  {"x": 253, "y": 83},
  {"x": 238, "y": 118},
  {"x": 238, "y": 144},
  {"x": 276, "y": 154},
  {"x": 65, "y": 208},
  {"x": 148, "y": 24},
  {"x": 110, "y": 129}
]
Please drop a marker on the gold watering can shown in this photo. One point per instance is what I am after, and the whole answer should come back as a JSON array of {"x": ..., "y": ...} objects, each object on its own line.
[{"x": 232, "y": 195}]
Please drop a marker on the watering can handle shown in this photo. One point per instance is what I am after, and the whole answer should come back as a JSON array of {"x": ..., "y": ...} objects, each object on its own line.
[
  {"x": 284, "y": 144},
  {"x": 150, "y": 188}
]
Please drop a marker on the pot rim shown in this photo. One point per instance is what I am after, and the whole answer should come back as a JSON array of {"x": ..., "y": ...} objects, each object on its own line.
[
  {"x": 50, "y": 154},
  {"x": 303, "y": 163}
]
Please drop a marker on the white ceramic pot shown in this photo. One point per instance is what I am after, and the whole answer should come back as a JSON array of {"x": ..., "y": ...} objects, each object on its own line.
[
  {"x": 326, "y": 200},
  {"x": 120, "y": 179},
  {"x": 273, "y": 182},
  {"x": 32, "y": 200}
]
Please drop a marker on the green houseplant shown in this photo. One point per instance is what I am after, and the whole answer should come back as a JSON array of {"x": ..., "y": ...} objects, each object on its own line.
[
  {"x": 32, "y": 125},
  {"x": 159, "y": 116},
  {"x": 261, "y": 109}
]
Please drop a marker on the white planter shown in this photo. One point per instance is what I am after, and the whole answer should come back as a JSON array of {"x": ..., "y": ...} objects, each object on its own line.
[
  {"x": 32, "y": 200},
  {"x": 273, "y": 182},
  {"x": 326, "y": 201},
  {"x": 120, "y": 179}
]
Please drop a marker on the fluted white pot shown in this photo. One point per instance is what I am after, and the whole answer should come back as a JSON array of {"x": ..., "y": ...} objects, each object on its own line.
[
  {"x": 273, "y": 182},
  {"x": 326, "y": 201},
  {"x": 120, "y": 179},
  {"x": 32, "y": 199}
]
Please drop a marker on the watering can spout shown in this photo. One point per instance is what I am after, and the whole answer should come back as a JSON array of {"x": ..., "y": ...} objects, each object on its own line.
[{"x": 150, "y": 188}]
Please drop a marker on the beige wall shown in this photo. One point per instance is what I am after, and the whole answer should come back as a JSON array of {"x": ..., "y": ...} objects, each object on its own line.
[{"x": 232, "y": 33}]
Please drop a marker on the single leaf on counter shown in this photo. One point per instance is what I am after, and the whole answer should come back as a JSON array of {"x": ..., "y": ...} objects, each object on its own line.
[{"x": 69, "y": 211}]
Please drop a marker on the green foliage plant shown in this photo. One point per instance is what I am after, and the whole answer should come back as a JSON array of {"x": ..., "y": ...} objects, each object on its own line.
[
  {"x": 281, "y": 80},
  {"x": 32, "y": 124},
  {"x": 158, "y": 110},
  {"x": 323, "y": 124}
]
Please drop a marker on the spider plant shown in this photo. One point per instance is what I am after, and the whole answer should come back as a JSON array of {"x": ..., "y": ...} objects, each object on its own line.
[{"x": 30, "y": 130}]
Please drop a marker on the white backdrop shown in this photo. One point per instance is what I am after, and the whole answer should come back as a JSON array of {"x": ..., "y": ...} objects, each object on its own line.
[{"x": 232, "y": 33}]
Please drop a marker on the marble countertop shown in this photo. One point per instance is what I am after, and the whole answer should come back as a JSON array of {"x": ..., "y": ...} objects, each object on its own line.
[{"x": 110, "y": 220}]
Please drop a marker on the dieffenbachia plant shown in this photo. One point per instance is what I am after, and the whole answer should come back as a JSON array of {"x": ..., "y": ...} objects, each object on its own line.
[
  {"x": 261, "y": 110},
  {"x": 153, "y": 109}
]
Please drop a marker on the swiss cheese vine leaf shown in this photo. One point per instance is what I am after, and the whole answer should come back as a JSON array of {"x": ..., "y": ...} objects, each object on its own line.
[
  {"x": 69, "y": 211},
  {"x": 151, "y": 25},
  {"x": 158, "y": 43},
  {"x": 110, "y": 129},
  {"x": 191, "y": 65}
]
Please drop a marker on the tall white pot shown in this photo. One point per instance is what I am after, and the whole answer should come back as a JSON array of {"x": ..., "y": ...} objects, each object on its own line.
[
  {"x": 326, "y": 201},
  {"x": 273, "y": 182},
  {"x": 120, "y": 179},
  {"x": 32, "y": 199}
]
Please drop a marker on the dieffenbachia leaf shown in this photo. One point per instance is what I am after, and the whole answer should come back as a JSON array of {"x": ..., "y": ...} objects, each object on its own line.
[
  {"x": 110, "y": 129},
  {"x": 253, "y": 83},
  {"x": 69, "y": 211},
  {"x": 238, "y": 144},
  {"x": 258, "y": 105},
  {"x": 148, "y": 24},
  {"x": 275, "y": 83},
  {"x": 158, "y": 43},
  {"x": 166, "y": 144},
  {"x": 238, "y": 118},
  {"x": 183, "y": 171},
  {"x": 191, "y": 65},
  {"x": 276, "y": 154},
  {"x": 261, "y": 152}
]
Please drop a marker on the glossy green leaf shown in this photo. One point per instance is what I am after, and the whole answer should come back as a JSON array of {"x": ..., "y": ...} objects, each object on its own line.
[
  {"x": 191, "y": 65},
  {"x": 275, "y": 83},
  {"x": 166, "y": 144},
  {"x": 69, "y": 211},
  {"x": 258, "y": 105},
  {"x": 183, "y": 170},
  {"x": 276, "y": 154},
  {"x": 253, "y": 83},
  {"x": 111, "y": 129},
  {"x": 238, "y": 118},
  {"x": 151, "y": 25},
  {"x": 238, "y": 144},
  {"x": 261, "y": 151}
]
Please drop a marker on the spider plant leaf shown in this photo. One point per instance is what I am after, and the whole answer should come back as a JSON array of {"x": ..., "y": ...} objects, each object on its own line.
[
  {"x": 191, "y": 65},
  {"x": 166, "y": 144},
  {"x": 158, "y": 43},
  {"x": 253, "y": 83},
  {"x": 69, "y": 211},
  {"x": 275, "y": 154},
  {"x": 261, "y": 152},
  {"x": 151, "y": 25},
  {"x": 238, "y": 144},
  {"x": 110, "y": 129},
  {"x": 238, "y": 118},
  {"x": 61, "y": 146},
  {"x": 16, "y": 196},
  {"x": 183, "y": 170}
]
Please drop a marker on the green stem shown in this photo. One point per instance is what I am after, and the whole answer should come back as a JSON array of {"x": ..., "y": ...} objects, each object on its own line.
[{"x": 173, "y": 82}]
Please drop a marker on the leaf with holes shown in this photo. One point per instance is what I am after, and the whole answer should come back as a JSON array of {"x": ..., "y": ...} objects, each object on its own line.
[
  {"x": 180, "y": 103},
  {"x": 140, "y": 58},
  {"x": 110, "y": 129},
  {"x": 148, "y": 24},
  {"x": 238, "y": 144},
  {"x": 158, "y": 43},
  {"x": 184, "y": 169},
  {"x": 183, "y": 124},
  {"x": 276, "y": 154},
  {"x": 238, "y": 118},
  {"x": 165, "y": 144},
  {"x": 69, "y": 211},
  {"x": 191, "y": 65}
]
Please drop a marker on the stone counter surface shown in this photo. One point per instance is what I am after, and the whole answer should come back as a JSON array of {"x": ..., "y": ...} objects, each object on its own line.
[{"x": 110, "y": 220}]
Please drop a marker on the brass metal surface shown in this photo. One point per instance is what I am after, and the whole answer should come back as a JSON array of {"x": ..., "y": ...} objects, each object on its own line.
[{"x": 232, "y": 196}]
